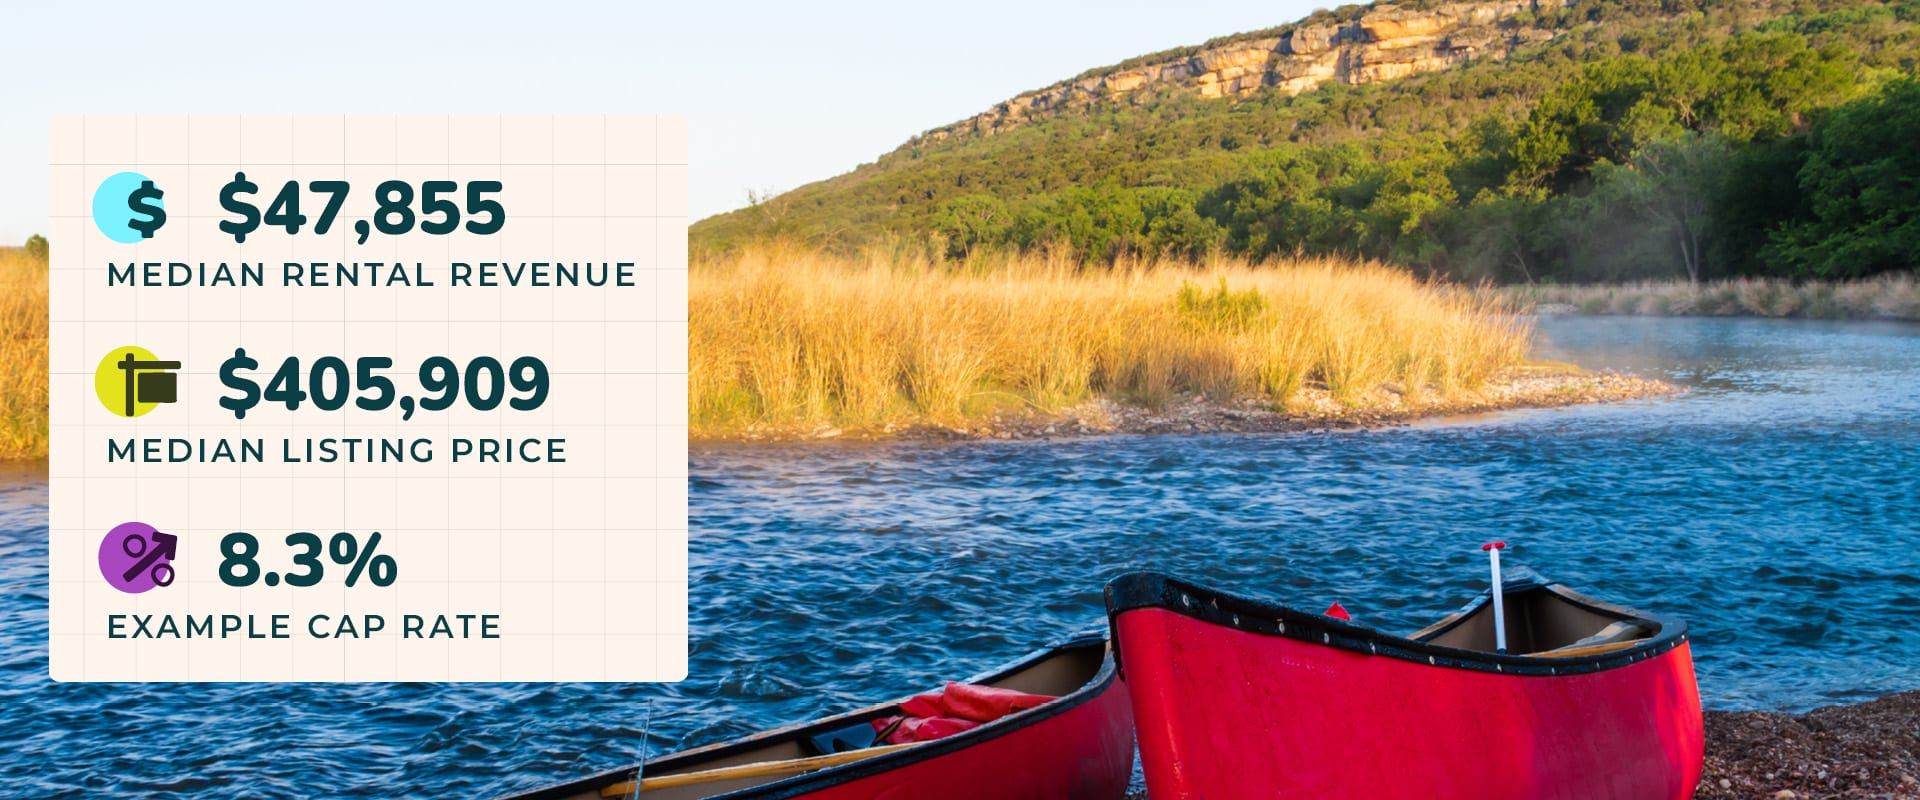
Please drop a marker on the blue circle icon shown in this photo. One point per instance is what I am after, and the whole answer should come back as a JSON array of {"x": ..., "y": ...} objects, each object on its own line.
[{"x": 127, "y": 207}]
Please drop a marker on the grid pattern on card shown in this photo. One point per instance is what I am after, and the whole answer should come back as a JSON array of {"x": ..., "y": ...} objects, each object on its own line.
[{"x": 584, "y": 562}]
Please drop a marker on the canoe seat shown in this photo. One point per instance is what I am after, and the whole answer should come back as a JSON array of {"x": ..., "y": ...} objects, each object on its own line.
[
  {"x": 1617, "y": 634},
  {"x": 858, "y": 736}
]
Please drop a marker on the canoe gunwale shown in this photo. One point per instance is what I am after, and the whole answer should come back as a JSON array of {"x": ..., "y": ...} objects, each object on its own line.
[
  {"x": 1144, "y": 590},
  {"x": 1104, "y": 680}
]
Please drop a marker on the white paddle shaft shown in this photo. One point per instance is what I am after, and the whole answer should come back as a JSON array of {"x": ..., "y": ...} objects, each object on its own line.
[{"x": 1499, "y": 599}]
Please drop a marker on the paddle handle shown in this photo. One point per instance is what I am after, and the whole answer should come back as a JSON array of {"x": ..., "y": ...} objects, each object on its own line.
[
  {"x": 757, "y": 769},
  {"x": 1590, "y": 650},
  {"x": 1499, "y": 597}
]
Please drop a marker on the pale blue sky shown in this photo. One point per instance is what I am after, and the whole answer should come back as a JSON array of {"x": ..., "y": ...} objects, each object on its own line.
[{"x": 776, "y": 93}]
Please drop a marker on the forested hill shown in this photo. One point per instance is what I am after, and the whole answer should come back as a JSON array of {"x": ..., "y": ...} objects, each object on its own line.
[{"x": 1520, "y": 141}]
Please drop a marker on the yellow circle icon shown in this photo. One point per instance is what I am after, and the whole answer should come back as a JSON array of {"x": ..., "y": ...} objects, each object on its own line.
[{"x": 132, "y": 381}]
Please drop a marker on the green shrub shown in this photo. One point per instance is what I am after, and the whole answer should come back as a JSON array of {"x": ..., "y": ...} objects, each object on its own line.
[{"x": 1222, "y": 309}]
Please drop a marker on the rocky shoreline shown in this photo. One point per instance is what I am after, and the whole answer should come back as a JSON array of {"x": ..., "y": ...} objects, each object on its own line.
[
  {"x": 1869, "y": 750},
  {"x": 1537, "y": 386},
  {"x": 1886, "y": 297}
]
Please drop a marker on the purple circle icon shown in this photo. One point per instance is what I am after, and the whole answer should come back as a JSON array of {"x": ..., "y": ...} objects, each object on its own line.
[{"x": 136, "y": 557}]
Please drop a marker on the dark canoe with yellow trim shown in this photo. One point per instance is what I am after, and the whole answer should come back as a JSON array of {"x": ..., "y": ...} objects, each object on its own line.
[{"x": 1076, "y": 747}]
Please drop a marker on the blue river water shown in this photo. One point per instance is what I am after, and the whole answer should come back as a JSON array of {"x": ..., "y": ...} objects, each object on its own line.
[{"x": 1775, "y": 506}]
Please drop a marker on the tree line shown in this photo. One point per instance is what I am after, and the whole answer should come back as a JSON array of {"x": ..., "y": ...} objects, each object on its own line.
[{"x": 1648, "y": 140}]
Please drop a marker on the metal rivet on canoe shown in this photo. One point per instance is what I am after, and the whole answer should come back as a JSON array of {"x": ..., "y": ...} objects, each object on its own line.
[
  {"x": 1326, "y": 638},
  {"x": 1373, "y": 649},
  {"x": 1499, "y": 668},
  {"x": 1236, "y": 620},
  {"x": 1283, "y": 625},
  {"x": 1431, "y": 661}
]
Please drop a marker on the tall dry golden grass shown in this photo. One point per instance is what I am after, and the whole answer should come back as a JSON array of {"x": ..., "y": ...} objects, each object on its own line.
[
  {"x": 23, "y": 354},
  {"x": 789, "y": 339}
]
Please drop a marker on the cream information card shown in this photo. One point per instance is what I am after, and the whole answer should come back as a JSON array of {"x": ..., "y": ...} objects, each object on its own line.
[{"x": 369, "y": 398}]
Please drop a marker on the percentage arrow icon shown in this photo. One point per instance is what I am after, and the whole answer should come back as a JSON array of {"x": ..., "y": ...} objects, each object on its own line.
[{"x": 164, "y": 545}]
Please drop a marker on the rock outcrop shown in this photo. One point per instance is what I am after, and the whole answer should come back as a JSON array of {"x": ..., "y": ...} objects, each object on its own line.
[{"x": 1385, "y": 43}]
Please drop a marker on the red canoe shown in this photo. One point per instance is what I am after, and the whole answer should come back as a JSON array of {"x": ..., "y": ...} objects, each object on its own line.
[
  {"x": 1079, "y": 745},
  {"x": 1237, "y": 698}
]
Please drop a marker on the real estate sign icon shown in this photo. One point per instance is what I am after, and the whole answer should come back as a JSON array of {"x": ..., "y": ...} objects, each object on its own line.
[{"x": 131, "y": 381}]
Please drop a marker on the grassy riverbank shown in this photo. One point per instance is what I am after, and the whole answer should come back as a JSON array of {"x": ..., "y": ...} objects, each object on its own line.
[
  {"x": 788, "y": 342},
  {"x": 23, "y": 354},
  {"x": 791, "y": 343},
  {"x": 1893, "y": 296}
]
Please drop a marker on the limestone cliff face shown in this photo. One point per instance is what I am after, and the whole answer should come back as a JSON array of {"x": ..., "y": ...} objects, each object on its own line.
[{"x": 1385, "y": 43}]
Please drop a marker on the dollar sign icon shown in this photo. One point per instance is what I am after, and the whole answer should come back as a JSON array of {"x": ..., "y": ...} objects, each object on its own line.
[
  {"x": 249, "y": 390},
  {"x": 249, "y": 216},
  {"x": 127, "y": 207},
  {"x": 146, "y": 200}
]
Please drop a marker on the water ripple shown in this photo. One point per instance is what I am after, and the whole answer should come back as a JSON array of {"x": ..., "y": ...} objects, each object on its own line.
[{"x": 1774, "y": 507}]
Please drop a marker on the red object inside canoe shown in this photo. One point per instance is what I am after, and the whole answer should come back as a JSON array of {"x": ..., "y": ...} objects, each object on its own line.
[{"x": 956, "y": 707}]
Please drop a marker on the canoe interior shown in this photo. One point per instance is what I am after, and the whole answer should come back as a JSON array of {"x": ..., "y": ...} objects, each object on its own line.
[
  {"x": 1060, "y": 672},
  {"x": 1540, "y": 620}
]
